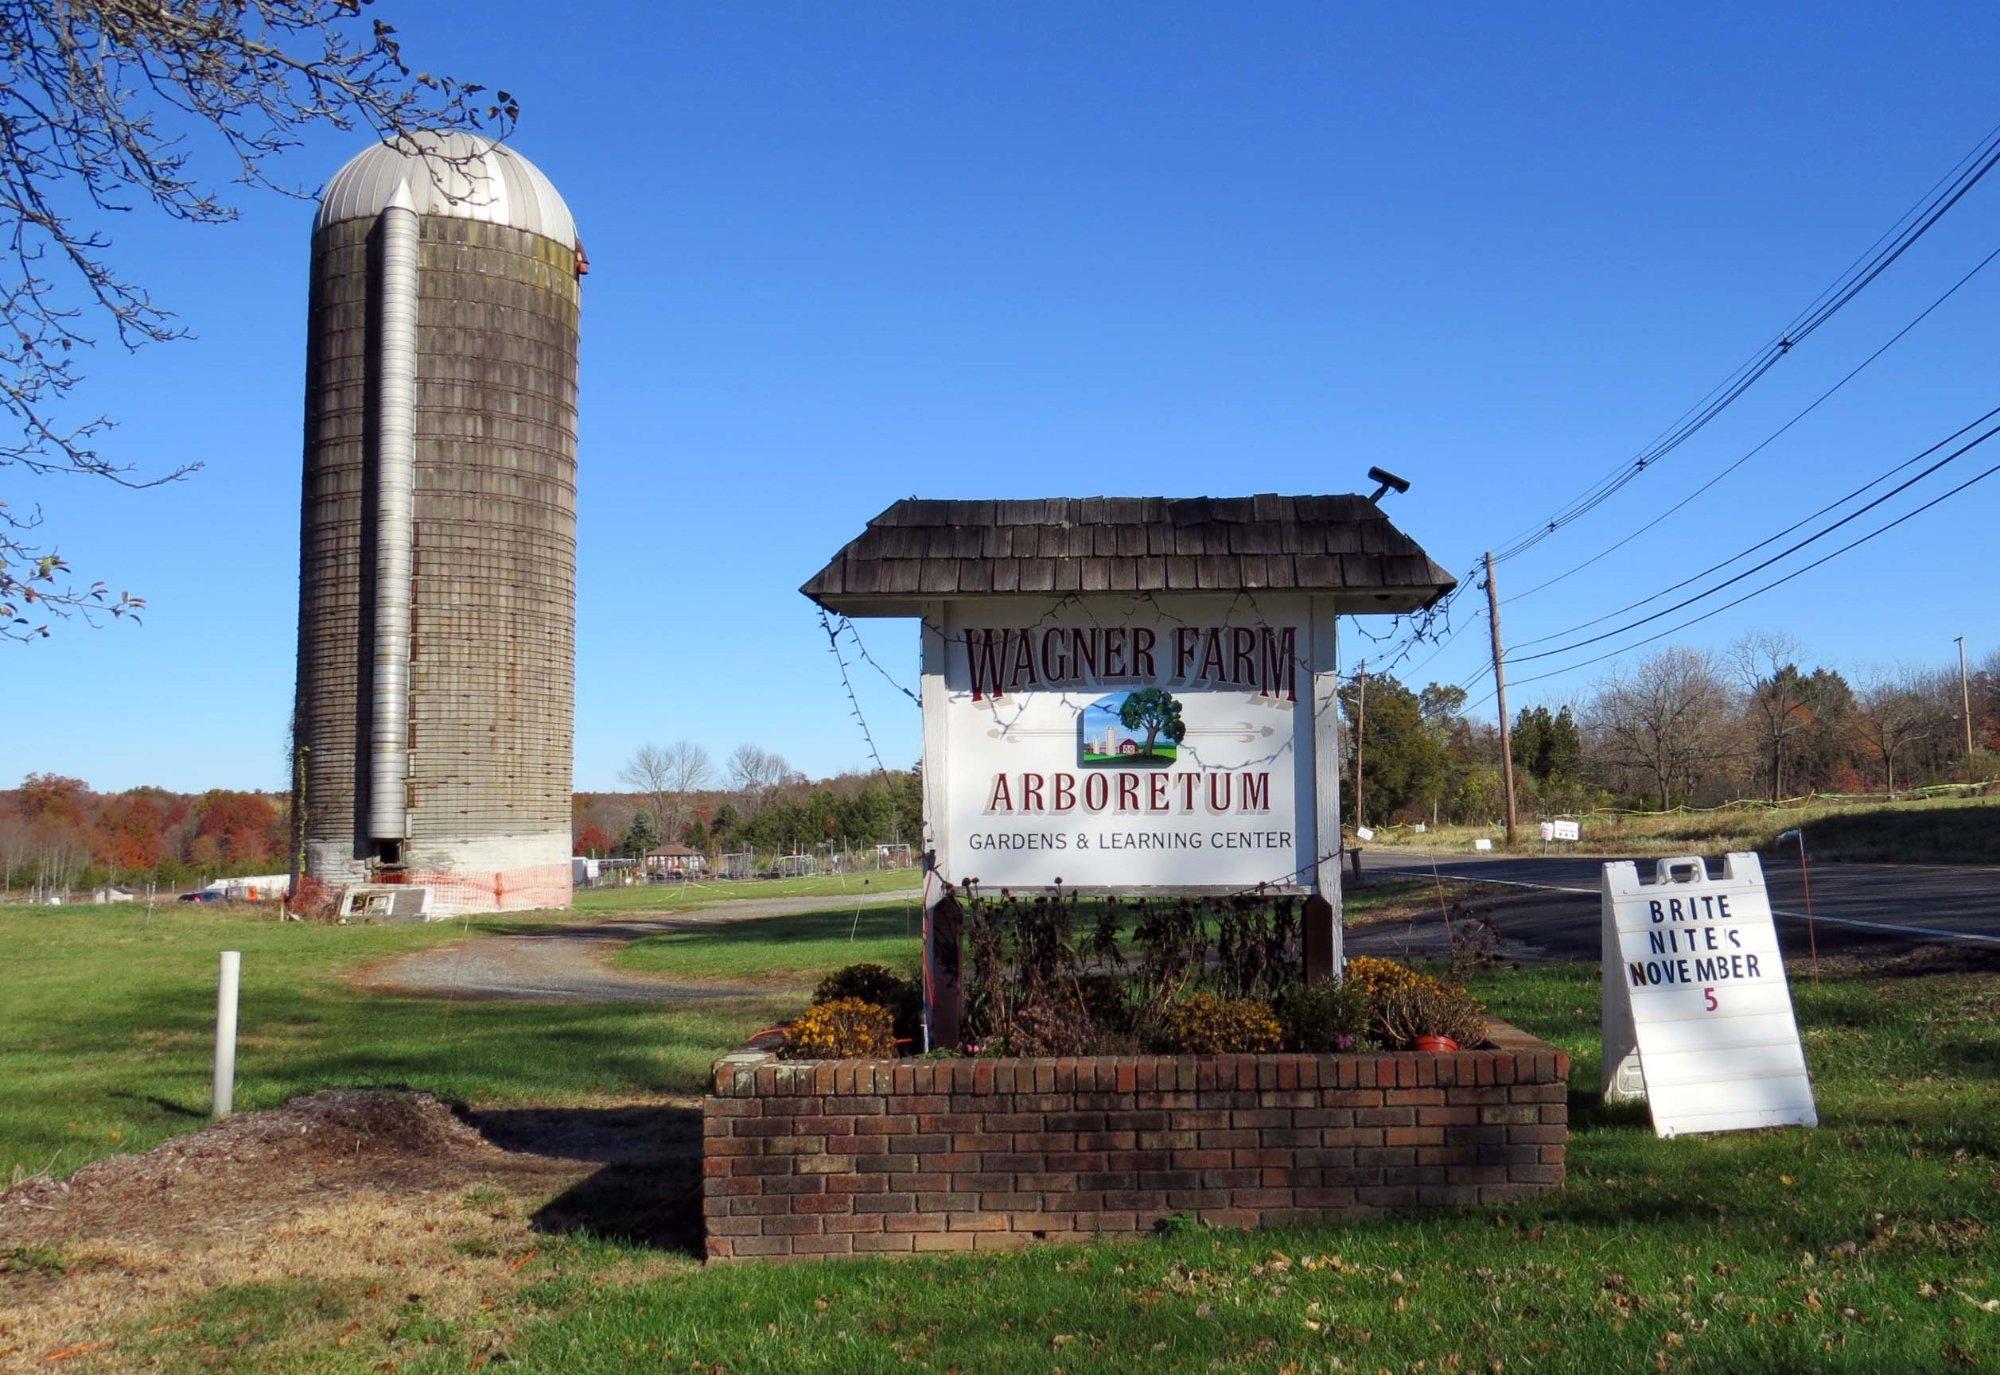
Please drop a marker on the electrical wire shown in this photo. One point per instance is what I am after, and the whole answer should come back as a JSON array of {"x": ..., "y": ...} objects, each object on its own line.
[
  {"x": 1853, "y": 515},
  {"x": 1910, "y": 228},
  {"x": 1818, "y": 401},
  {"x": 1758, "y": 592}
]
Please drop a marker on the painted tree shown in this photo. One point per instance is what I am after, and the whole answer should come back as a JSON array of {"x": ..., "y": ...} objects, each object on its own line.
[{"x": 1155, "y": 711}]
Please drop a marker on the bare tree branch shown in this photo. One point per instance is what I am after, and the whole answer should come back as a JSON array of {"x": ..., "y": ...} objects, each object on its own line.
[{"x": 104, "y": 105}]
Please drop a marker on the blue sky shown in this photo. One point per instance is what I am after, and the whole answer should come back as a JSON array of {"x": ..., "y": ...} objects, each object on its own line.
[{"x": 846, "y": 254}]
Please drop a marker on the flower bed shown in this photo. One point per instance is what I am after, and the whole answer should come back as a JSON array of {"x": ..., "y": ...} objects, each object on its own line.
[{"x": 817, "y": 1158}]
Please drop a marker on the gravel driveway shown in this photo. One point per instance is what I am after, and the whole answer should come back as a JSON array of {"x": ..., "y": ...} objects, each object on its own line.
[{"x": 570, "y": 963}]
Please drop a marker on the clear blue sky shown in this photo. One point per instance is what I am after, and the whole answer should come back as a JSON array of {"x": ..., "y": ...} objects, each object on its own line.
[{"x": 845, "y": 254}]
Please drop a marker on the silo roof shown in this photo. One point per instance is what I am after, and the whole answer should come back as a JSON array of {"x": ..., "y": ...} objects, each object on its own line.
[{"x": 466, "y": 175}]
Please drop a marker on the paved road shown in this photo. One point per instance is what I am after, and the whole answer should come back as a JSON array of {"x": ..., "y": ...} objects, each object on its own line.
[
  {"x": 1858, "y": 908},
  {"x": 569, "y": 963}
]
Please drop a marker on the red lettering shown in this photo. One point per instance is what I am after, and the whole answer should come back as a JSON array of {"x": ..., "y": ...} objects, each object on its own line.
[
  {"x": 1243, "y": 656},
  {"x": 1158, "y": 800},
  {"x": 1031, "y": 793},
  {"x": 1211, "y": 660},
  {"x": 1002, "y": 799},
  {"x": 1256, "y": 792},
  {"x": 1183, "y": 652},
  {"x": 1280, "y": 654},
  {"x": 1024, "y": 662},
  {"x": 1128, "y": 792},
  {"x": 1142, "y": 653},
  {"x": 984, "y": 661},
  {"x": 1083, "y": 653},
  {"x": 1063, "y": 792},
  {"x": 1097, "y": 791},
  {"x": 1054, "y": 667}
]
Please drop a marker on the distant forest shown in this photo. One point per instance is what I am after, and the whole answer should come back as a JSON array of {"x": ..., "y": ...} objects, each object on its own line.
[{"x": 1683, "y": 727}]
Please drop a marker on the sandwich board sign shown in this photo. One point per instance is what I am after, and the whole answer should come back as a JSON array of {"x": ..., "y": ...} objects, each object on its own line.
[{"x": 1697, "y": 1017}]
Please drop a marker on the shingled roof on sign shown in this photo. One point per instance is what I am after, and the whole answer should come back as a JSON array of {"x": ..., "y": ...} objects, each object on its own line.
[{"x": 919, "y": 551}]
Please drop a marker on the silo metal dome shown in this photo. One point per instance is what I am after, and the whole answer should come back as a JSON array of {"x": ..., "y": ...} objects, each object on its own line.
[
  {"x": 436, "y": 679},
  {"x": 465, "y": 175}
]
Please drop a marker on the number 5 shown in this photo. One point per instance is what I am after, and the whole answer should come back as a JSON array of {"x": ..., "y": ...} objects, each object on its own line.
[{"x": 1708, "y": 996}]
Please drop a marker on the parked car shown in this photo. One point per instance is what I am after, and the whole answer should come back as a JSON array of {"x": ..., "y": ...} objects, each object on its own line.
[{"x": 203, "y": 896}]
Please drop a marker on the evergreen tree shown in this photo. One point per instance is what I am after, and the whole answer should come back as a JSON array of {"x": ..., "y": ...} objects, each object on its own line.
[{"x": 641, "y": 840}]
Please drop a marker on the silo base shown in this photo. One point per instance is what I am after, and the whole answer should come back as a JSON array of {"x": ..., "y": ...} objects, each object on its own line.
[{"x": 466, "y": 875}]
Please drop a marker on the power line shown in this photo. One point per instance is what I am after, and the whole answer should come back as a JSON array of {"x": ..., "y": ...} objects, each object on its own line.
[
  {"x": 1784, "y": 553},
  {"x": 1911, "y": 227},
  {"x": 1818, "y": 401},
  {"x": 1835, "y": 504},
  {"x": 1775, "y": 582}
]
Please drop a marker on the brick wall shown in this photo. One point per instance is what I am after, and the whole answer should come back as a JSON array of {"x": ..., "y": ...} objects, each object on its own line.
[{"x": 803, "y": 1159}]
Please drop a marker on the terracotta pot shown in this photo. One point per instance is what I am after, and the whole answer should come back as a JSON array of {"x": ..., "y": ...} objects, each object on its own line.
[{"x": 1436, "y": 1045}]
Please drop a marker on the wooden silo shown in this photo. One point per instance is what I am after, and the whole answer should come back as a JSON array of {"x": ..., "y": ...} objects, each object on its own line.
[{"x": 436, "y": 670}]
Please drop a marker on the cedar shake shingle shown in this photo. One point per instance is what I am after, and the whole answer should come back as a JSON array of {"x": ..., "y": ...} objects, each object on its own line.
[{"x": 947, "y": 549}]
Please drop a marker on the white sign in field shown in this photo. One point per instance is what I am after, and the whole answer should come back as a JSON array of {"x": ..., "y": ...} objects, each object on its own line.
[
  {"x": 1128, "y": 748},
  {"x": 1697, "y": 1017},
  {"x": 1564, "y": 830}
]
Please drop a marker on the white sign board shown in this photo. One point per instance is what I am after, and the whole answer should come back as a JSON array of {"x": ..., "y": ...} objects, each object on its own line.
[
  {"x": 1364, "y": 832},
  {"x": 1697, "y": 1017},
  {"x": 1482, "y": 844},
  {"x": 1565, "y": 830},
  {"x": 1128, "y": 744}
]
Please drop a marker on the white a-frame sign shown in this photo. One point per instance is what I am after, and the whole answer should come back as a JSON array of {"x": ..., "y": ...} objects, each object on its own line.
[{"x": 1697, "y": 1017}]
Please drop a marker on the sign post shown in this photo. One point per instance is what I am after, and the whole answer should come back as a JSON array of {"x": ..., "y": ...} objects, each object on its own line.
[{"x": 1697, "y": 1017}]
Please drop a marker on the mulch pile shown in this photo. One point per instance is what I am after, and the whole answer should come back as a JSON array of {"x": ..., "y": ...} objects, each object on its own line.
[{"x": 315, "y": 1145}]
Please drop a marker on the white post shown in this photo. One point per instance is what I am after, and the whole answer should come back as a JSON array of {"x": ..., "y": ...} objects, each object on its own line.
[
  {"x": 1324, "y": 661},
  {"x": 225, "y": 1031},
  {"x": 937, "y": 830}
]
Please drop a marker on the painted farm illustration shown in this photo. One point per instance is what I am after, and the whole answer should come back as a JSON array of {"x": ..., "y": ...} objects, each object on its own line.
[{"x": 1132, "y": 730}]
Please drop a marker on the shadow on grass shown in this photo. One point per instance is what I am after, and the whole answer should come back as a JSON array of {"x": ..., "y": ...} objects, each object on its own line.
[{"x": 647, "y": 1190}]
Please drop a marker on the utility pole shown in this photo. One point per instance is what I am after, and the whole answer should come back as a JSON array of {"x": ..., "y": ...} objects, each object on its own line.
[
  {"x": 1965, "y": 702},
  {"x": 1360, "y": 738},
  {"x": 1500, "y": 690}
]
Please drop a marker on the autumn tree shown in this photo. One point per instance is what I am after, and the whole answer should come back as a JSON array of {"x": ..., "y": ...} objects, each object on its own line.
[
  {"x": 1895, "y": 715},
  {"x": 110, "y": 104},
  {"x": 668, "y": 775},
  {"x": 755, "y": 771},
  {"x": 1666, "y": 723}
]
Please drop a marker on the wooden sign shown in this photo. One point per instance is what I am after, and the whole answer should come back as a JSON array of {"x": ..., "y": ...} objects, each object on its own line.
[
  {"x": 1697, "y": 1016},
  {"x": 1146, "y": 743}
]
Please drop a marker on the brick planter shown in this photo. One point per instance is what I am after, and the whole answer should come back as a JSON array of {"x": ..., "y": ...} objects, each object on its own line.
[{"x": 804, "y": 1159}]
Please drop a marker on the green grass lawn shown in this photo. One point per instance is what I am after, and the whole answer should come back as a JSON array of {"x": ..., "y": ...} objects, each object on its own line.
[
  {"x": 1942, "y": 830},
  {"x": 648, "y": 897},
  {"x": 792, "y": 950},
  {"x": 107, "y": 1019},
  {"x": 1869, "y": 1245}
]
